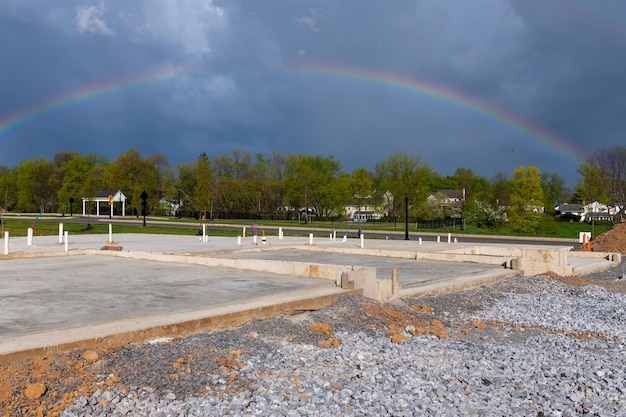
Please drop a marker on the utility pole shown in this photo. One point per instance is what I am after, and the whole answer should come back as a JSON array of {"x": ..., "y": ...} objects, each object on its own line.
[
  {"x": 144, "y": 197},
  {"x": 6, "y": 203},
  {"x": 406, "y": 218}
]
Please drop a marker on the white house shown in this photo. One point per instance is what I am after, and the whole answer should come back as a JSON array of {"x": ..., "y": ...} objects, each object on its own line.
[
  {"x": 108, "y": 197},
  {"x": 567, "y": 208},
  {"x": 598, "y": 211},
  {"x": 595, "y": 211},
  {"x": 367, "y": 210}
]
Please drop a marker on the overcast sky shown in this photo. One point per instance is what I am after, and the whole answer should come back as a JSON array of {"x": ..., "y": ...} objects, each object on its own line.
[{"x": 483, "y": 84}]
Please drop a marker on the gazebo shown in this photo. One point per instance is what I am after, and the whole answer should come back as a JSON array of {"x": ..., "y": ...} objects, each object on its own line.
[{"x": 109, "y": 197}]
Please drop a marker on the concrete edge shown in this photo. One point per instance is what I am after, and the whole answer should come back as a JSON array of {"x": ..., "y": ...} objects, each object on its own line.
[
  {"x": 142, "y": 329},
  {"x": 613, "y": 256},
  {"x": 460, "y": 283},
  {"x": 28, "y": 255},
  {"x": 441, "y": 256},
  {"x": 601, "y": 265}
]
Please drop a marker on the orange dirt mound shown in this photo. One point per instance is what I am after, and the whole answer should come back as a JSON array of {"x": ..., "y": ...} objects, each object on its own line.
[{"x": 613, "y": 240}]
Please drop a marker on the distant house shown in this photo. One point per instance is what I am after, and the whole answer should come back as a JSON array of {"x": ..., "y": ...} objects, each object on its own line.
[
  {"x": 448, "y": 200},
  {"x": 571, "y": 211},
  {"x": 363, "y": 216},
  {"x": 592, "y": 211},
  {"x": 110, "y": 199},
  {"x": 170, "y": 207},
  {"x": 597, "y": 211},
  {"x": 575, "y": 209},
  {"x": 366, "y": 208},
  {"x": 362, "y": 212}
]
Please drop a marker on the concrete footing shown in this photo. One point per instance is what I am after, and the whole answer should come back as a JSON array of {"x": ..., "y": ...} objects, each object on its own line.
[
  {"x": 527, "y": 261},
  {"x": 145, "y": 328}
]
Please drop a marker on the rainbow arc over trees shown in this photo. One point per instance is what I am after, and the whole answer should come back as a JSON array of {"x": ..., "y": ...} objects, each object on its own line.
[
  {"x": 441, "y": 93},
  {"x": 32, "y": 114},
  {"x": 27, "y": 116}
]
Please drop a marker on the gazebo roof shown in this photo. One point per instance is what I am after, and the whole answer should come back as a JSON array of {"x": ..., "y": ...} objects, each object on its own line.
[
  {"x": 103, "y": 195},
  {"x": 106, "y": 193}
]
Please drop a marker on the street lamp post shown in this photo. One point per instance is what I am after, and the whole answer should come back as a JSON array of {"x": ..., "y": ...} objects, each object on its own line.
[
  {"x": 144, "y": 197},
  {"x": 406, "y": 218}
]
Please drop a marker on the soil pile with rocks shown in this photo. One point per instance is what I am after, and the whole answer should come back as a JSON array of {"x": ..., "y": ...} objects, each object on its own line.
[
  {"x": 613, "y": 240},
  {"x": 525, "y": 346}
]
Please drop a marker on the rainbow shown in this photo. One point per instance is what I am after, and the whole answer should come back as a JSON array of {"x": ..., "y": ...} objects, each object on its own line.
[
  {"x": 11, "y": 123},
  {"x": 444, "y": 94},
  {"x": 27, "y": 116}
]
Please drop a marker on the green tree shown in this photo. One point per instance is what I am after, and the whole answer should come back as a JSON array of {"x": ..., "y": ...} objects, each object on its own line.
[
  {"x": 33, "y": 184},
  {"x": 360, "y": 186},
  {"x": 482, "y": 214},
  {"x": 94, "y": 182},
  {"x": 526, "y": 199},
  {"x": 611, "y": 166},
  {"x": 475, "y": 186},
  {"x": 591, "y": 187},
  {"x": 159, "y": 170},
  {"x": 133, "y": 175},
  {"x": 500, "y": 190},
  {"x": 313, "y": 183},
  {"x": 222, "y": 187},
  {"x": 403, "y": 176},
  {"x": 232, "y": 186},
  {"x": 553, "y": 186},
  {"x": 75, "y": 170},
  {"x": 124, "y": 174},
  {"x": 152, "y": 180},
  {"x": 437, "y": 182},
  {"x": 436, "y": 206},
  {"x": 330, "y": 199},
  {"x": 202, "y": 187},
  {"x": 184, "y": 187},
  {"x": 267, "y": 176},
  {"x": 8, "y": 189},
  {"x": 59, "y": 169}
]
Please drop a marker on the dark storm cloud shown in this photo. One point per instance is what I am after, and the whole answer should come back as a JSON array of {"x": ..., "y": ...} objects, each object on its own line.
[{"x": 557, "y": 64}]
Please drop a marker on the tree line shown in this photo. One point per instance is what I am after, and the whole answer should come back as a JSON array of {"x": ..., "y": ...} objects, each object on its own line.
[{"x": 246, "y": 185}]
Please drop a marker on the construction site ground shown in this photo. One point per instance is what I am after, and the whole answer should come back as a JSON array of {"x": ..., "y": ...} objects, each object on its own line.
[{"x": 53, "y": 300}]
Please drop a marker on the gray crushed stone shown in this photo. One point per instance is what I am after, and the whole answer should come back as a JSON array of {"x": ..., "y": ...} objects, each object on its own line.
[{"x": 558, "y": 351}]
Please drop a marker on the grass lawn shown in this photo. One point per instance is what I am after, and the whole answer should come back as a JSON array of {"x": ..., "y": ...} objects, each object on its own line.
[
  {"x": 556, "y": 229},
  {"x": 45, "y": 227}
]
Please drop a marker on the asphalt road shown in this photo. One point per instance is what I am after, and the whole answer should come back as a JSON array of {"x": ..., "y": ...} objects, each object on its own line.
[{"x": 346, "y": 227}]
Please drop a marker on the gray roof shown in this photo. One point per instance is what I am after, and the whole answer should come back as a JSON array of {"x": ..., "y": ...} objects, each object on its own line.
[
  {"x": 569, "y": 207},
  {"x": 106, "y": 193},
  {"x": 456, "y": 194}
]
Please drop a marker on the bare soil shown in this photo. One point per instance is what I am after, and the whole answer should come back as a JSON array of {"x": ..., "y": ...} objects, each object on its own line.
[{"x": 613, "y": 240}]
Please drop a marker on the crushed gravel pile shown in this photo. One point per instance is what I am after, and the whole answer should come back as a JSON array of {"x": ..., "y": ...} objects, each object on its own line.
[{"x": 535, "y": 346}]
